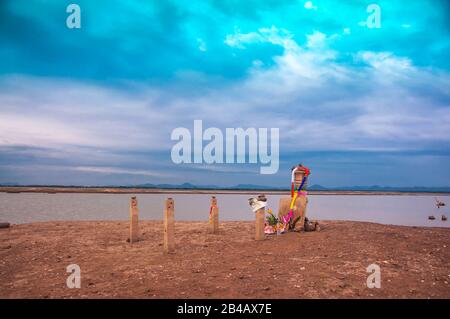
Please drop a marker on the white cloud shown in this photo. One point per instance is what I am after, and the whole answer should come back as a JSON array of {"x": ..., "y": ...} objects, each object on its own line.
[
  {"x": 318, "y": 102},
  {"x": 238, "y": 39},
  {"x": 298, "y": 68},
  {"x": 388, "y": 68},
  {"x": 274, "y": 35},
  {"x": 201, "y": 45},
  {"x": 310, "y": 6},
  {"x": 385, "y": 60},
  {"x": 378, "y": 116},
  {"x": 39, "y": 130},
  {"x": 43, "y": 112}
]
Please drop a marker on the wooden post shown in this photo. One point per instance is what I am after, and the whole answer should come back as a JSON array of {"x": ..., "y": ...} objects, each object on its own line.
[
  {"x": 169, "y": 227},
  {"x": 134, "y": 223},
  {"x": 259, "y": 223},
  {"x": 214, "y": 216}
]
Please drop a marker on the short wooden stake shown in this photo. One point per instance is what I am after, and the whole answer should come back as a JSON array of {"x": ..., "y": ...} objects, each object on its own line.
[
  {"x": 134, "y": 222},
  {"x": 169, "y": 227},
  {"x": 260, "y": 223},
  {"x": 214, "y": 216}
]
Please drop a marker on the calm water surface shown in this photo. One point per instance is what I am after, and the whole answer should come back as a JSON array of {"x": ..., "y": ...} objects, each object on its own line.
[{"x": 411, "y": 210}]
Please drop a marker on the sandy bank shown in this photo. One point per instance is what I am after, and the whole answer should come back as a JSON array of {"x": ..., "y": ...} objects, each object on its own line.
[{"x": 415, "y": 262}]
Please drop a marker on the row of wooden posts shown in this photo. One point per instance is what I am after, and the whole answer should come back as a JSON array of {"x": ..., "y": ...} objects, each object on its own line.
[{"x": 169, "y": 222}]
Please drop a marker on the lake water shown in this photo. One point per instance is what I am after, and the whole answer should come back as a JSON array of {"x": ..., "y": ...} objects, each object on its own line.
[{"x": 411, "y": 210}]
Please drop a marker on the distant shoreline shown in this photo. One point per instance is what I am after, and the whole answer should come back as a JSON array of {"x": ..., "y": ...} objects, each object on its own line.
[{"x": 135, "y": 190}]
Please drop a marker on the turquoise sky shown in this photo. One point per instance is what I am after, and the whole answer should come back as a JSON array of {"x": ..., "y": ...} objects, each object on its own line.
[{"x": 96, "y": 105}]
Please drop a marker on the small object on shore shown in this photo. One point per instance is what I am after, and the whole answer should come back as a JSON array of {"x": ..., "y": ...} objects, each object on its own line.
[
  {"x": 311, "y": 225},
  {"x": 443, "y": 218},
  {"x": 257, "y": 203},
  {"x": 273, "y": 225},
  {"x": 5, "y": 225},
  {"x": 439, "y": 203},
  {"x": 431, "y": 217},
  {"x": 262, "y": 198}
]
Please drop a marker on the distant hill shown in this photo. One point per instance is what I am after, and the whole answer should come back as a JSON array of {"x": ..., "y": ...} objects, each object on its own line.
[
  {"x": 393, "y": 189},
  {"x": 251, "y": 186},
  {"x": 192, "y": 186},
  {"x": 9, "y": 184},
  {"x": 317, "y": 187}
]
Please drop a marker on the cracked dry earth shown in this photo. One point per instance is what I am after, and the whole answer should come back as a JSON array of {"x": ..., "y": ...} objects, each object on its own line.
[{"x": 332, "y": 263}]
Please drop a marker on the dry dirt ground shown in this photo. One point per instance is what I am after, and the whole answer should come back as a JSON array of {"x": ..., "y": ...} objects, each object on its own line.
[{"x": 415, "y": 262}]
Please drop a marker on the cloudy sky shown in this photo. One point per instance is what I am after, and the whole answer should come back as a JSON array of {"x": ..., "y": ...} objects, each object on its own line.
[{"x": 97, "y": 105}]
